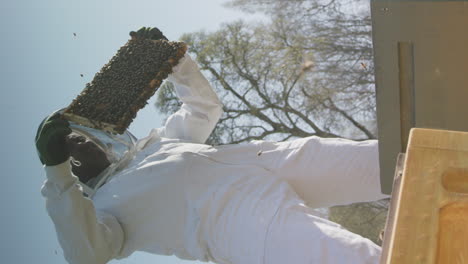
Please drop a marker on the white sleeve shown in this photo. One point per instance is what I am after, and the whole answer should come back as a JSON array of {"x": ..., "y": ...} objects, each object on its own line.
[
  {"x": 343, "y": 172},
  {"x": 326, "y": 171},
  {"x": 86, "y": 235},
  {"x": 201, "y": 108}
]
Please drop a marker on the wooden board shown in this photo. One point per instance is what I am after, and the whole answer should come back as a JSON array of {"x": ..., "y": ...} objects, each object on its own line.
[
  {"x": 429, "y": 219},
  {"x": 421, "y": 62}
]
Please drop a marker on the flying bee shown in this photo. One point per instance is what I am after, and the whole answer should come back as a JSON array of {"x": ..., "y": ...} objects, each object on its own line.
[{"x": 364, "y": 65}]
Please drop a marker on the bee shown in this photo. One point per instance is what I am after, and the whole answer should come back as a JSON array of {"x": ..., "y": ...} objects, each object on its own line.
[{"x": 364, "y": 65}]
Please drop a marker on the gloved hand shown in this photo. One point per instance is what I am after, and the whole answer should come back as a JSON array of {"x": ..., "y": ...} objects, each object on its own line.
[
  {"x": 50, "y": 140},
  {"x": 148, "y": 33}
]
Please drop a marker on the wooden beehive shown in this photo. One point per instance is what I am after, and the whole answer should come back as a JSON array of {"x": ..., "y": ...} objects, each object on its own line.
[
  {"x": 428, "y": 222},
  {"x": 112, "y": 99}
]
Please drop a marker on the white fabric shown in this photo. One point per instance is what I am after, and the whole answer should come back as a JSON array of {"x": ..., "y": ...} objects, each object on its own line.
[
  {"x": 86, "y": 235},
  {"x": 236, "y": 204},
  {"x": 314, "y": 240}
]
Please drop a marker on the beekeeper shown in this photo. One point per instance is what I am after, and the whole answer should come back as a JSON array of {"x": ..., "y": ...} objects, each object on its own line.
[{"x": 240, "y": 204}]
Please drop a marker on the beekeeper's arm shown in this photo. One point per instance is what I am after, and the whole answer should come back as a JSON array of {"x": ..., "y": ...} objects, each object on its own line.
[
  {"x": 86, "y": 235},
  {"x": 332, "y": 171},
  {"x": 201, "y": 108},
  {"x": 349, "y": 171}
]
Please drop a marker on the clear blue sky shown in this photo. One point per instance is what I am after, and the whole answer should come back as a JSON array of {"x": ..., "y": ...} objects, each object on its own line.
[{"x": 40, "y": 66}]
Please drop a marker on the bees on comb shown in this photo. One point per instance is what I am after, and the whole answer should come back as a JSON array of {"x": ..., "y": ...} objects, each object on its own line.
[{"x": 123, "y": 86}]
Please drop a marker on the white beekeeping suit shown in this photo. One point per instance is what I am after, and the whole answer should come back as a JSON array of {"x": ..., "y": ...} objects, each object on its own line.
[{"x": 236, "y": 204}]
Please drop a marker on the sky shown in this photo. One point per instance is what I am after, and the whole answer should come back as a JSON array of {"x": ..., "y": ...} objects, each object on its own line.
[{"x": 41, "y": 62}]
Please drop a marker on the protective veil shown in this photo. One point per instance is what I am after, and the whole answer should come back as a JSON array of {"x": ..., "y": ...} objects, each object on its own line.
[
  {"x": 239, "y": 204},
  {"x": 119, "y": 150}
]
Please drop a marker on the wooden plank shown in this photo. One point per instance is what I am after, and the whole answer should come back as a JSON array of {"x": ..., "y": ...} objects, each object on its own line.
[
  {"x": 428, "y": 224},
  {"x": 390, "y": 224},
  {"x": 453, "y": 234},
  {"x": 421, "y": 57}
]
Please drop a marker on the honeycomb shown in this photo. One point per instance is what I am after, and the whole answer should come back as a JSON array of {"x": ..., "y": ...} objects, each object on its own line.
[{"x": 123, "y": 86}]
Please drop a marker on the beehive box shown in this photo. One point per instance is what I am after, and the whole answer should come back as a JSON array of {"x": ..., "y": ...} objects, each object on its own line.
[
  {"x": 428, "y": 222},
  {"x": 112, "y": 99}
]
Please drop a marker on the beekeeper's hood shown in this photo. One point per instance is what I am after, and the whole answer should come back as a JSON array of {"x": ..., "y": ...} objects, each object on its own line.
[{"x": 119, "y": 149}]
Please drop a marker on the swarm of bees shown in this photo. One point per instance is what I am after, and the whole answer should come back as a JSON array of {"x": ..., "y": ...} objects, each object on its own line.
[{"x": 112, "y": 99}]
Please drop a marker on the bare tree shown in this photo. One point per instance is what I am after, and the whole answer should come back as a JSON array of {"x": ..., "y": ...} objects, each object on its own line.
[
  {"x": 338, "y": 34},
  {"x": 277, "y": 83}
]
